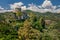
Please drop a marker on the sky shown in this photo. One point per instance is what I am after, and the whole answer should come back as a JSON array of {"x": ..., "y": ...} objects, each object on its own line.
[
  {"x": 6, "y": 3},
  {"x": 34, "y": 5}
]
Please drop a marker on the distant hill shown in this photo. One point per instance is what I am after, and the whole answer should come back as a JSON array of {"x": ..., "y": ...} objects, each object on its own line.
[{"x": 47, "y": 16}]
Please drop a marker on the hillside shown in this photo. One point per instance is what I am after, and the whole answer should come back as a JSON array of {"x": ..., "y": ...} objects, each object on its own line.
[
  {"x": 48, "y": 16},
  {"x": 36, "y": 25}
]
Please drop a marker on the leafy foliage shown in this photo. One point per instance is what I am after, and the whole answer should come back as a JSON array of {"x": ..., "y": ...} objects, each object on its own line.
[{"x": 32, "y": 28}]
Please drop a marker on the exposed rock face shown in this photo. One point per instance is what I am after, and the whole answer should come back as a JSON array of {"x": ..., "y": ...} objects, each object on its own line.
[{"x": 48, "y": 22}]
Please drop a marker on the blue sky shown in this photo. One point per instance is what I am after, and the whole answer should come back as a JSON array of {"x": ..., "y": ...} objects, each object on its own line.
[{"x": 5, "y": 3}]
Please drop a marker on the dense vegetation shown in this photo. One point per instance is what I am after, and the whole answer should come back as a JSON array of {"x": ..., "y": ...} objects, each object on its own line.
[{"x": 31, "y": 27}]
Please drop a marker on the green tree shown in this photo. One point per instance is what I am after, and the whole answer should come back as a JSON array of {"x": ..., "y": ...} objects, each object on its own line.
[
  {"x": 50, "y": 33},
  {"x": 28, "y": 33}
]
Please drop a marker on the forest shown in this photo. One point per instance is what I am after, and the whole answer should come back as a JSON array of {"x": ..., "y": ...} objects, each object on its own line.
[{"x": 29, "y": 25}]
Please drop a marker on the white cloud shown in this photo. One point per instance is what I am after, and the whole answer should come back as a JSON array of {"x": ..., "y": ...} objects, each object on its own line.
[
  {"x": 2, "y": 11},
  {"x": 45, "y": 7},
  {"x": 16, "y": 5},
  {"x": 46, "y": 3},
  {"x": 39, "y": 6},
  {"x": 1, "y": 8},
  {"x": 33, "y": 7},
  {"x": 23, "y": 7},
  {"x": 58, "y": 10}
]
